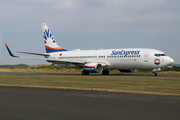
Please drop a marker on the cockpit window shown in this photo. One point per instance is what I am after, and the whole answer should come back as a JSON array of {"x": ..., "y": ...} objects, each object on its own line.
[{"x": 158, "y": 55}]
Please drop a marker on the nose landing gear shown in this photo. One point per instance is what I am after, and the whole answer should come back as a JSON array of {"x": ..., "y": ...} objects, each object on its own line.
[{"x": 154, "y": 73}]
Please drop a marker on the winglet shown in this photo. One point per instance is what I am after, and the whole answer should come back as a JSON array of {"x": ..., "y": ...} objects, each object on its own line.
[{"x": 10, "y": 53}]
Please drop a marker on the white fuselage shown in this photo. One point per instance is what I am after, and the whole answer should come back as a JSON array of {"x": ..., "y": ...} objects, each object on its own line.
[{"x": 133, "y": 58}]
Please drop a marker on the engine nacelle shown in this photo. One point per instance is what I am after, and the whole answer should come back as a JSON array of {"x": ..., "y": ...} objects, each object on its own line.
[
  {"x": 93, "y": 68},
  {"x": 127, "y": 70}
]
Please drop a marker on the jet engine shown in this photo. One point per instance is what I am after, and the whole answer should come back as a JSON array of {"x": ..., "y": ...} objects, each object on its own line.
[{"x": 93, "y": 68}]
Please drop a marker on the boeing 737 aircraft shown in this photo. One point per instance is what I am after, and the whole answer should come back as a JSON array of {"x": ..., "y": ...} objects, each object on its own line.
[{"x": 97, "y": 61}]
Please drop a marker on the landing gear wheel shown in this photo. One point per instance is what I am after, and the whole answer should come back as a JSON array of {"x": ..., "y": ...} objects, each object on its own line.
[
  {"x": 85, "y": 73},
  {"x": 154, "y": 73},
  {"x": 105, "y": 72}
]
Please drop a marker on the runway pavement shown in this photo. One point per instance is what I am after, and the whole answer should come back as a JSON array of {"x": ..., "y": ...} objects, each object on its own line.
[
  {"x": 52, "y": 104},
  {"x": 79, "y": 74}
]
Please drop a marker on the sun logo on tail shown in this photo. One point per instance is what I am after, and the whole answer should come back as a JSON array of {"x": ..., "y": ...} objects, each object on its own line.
[{"x": 47, "y": 34}]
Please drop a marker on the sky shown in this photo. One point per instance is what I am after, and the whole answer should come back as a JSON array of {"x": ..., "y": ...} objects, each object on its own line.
[{"x": 89, "y": 24}]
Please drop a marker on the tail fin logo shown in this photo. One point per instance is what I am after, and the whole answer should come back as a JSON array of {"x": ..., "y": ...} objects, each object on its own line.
[{"x": 47, "y": 34}]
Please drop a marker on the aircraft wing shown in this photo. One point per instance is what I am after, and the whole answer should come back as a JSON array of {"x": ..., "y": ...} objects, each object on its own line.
[
  {"x": 53, "y": 61},
  {"x": 42, "y": 54},
  {"x": 64, "y": 61}
]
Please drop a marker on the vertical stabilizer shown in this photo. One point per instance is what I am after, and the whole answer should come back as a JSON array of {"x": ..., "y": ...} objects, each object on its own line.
[{"x": 50, "y": 43}]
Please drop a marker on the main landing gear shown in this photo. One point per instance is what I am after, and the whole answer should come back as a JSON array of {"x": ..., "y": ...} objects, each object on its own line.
[
  {"x": 85, "y": 73},
  {"x": 105, "y": 72}
]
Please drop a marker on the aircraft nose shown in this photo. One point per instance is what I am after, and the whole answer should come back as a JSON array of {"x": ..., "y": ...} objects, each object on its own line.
[{"x": 170, "y": 61}]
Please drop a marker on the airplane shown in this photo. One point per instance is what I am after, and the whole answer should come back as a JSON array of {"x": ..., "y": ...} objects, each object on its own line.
[{"x": 102, "y": 60}]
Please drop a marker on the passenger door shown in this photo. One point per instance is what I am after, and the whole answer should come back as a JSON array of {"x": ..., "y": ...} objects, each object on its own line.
[{"x": 146, "y": 56}]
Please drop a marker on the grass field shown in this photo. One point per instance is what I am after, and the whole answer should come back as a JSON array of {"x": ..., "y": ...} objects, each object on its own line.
[
  {"x": 46, "y": 70},
  {"x": 132, "y": 84}
]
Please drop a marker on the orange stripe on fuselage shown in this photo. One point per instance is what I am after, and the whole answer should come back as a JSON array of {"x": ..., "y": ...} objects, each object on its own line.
[
  {"x": 88, "y": 66},
  {"x": 156, "y": 62},
  {"x": 57, "y": 48}
]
